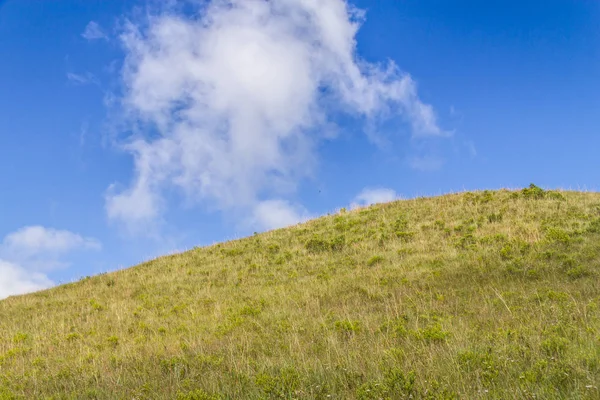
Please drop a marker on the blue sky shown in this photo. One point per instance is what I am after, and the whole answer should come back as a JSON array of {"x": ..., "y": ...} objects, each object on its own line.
[{"x": 134, "y": 129}]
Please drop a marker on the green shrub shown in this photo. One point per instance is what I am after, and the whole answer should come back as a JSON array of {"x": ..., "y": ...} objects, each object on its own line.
[
  {"x": 594, "y": 226},
  {"x": 433, "y": 333},
  {"x": 578, "y": 272},
  {"x": 396, "y": 327},
  {"x": 375, "y": 260},
  {"x": 96, "y": 306},
  {"x": 113, "y": 341},
  {"x": 282, "y": 384},
  {"x": 557, "y": 235},
  {"x": 319, "y": 245},
  {"x": 494, "y": 217},
  {"x": 197, "y": 394},
  {"x": 396, "y": 384},
  {"x": 533, "y": 192},
  {"x": 347, "y": 327},
  {"x": 555, "y": 345},
  {"x": 21, "y": 337}
]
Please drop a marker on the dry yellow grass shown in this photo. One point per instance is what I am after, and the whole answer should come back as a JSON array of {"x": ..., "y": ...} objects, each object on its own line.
[{"x": 472, "y": 295}]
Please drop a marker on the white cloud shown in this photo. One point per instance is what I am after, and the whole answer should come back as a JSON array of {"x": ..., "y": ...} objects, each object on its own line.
[
  {"x": 471, "y": 148},
  {"x": 26, "y": 254},
  {"x": 34, "y": 240},
  {"x": 137, "y": 207},
  {"x": 426, "y": 163},
  {"x": 273, "y": 214},
  {"x": 84, "y": 79},
  {"x": 15, "y": 280},
  {"x": 93, "y": 31},
  {"x": 235, "y": 99},
  {"x": 370, "y": 196}
]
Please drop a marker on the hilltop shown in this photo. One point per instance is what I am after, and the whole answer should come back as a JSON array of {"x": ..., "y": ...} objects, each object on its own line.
[{"x": 489, "y": 294}]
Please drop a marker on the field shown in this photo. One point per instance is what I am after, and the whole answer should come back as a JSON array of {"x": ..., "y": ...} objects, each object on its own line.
[{"x": 479, "y": 295}]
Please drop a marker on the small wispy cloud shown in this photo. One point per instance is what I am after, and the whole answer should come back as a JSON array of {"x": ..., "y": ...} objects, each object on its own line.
[
  {"x": 471, "y": 148},
  {"x": 93, "y": 31},
  {"x": 370, "y": 196},
  {"x": 79, "y": 79},
  {"x": 83, "y": 133},
  {"x": 426, "y": 163}
]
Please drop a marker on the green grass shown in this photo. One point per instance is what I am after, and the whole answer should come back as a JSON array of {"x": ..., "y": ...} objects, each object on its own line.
[{"x": 491, "y": 295}]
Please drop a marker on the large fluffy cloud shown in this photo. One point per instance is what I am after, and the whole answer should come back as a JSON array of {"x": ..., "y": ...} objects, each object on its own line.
[
  {"x": 227, "y": 104},
  {"x": 27, "y": 254}
]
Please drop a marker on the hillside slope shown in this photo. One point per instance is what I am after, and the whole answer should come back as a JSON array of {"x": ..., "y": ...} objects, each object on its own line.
[{"x": 472, "y": 295}]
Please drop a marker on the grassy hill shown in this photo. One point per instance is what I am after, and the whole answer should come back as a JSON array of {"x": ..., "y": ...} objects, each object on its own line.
[{"x": 476, "y": 295}]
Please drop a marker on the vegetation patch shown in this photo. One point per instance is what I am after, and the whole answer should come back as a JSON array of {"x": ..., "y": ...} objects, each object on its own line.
[{"x": 489, "y": 294}]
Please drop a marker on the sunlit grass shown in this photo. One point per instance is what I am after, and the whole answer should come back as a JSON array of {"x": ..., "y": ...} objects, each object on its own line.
[{"x": 472, "y": 295}]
